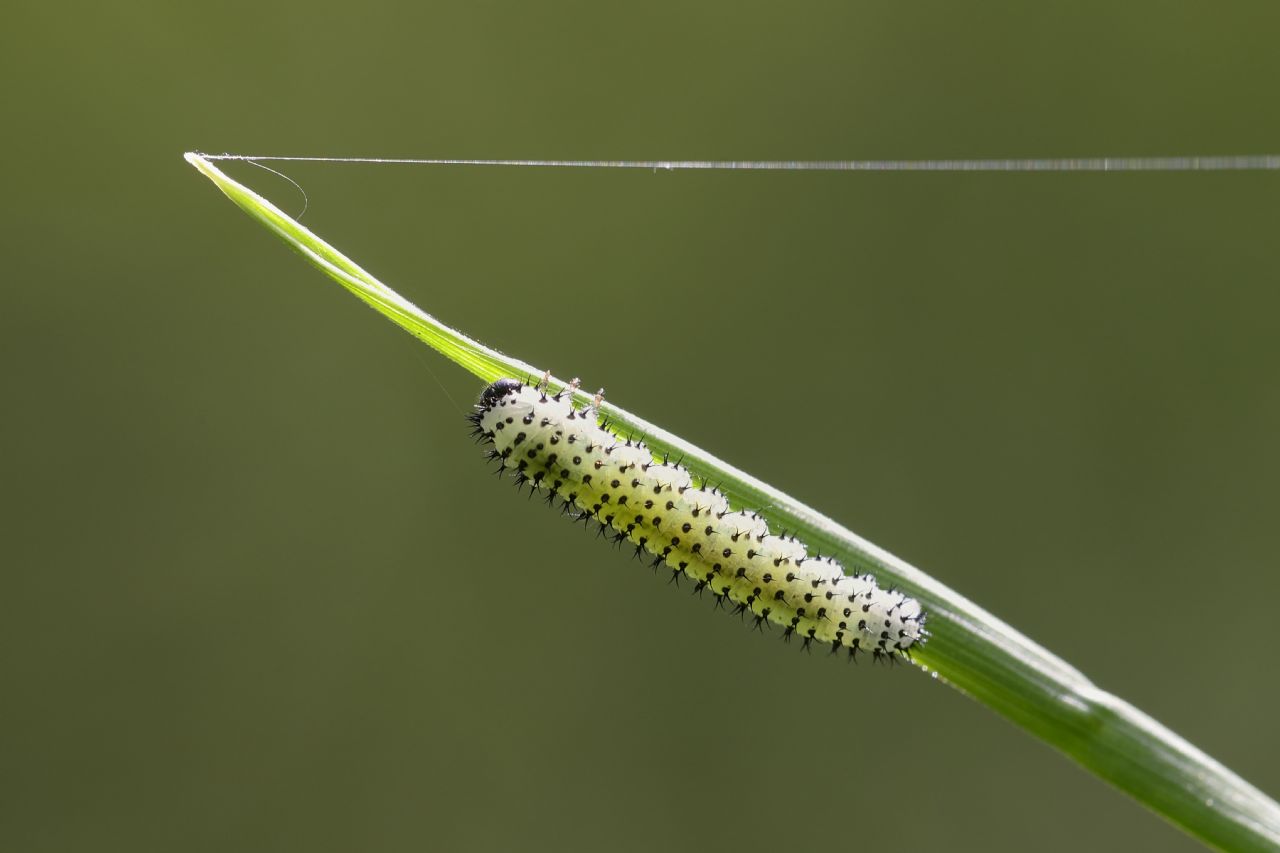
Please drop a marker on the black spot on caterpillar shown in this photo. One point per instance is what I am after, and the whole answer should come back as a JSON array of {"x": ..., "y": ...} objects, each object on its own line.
[{"x": 551, "y": 446}]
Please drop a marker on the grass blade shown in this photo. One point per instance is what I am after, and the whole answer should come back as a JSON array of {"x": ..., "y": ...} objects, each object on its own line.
[{"x": 971, "y": 649}]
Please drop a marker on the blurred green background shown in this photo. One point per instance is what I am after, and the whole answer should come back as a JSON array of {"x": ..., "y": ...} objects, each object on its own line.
[{"x": 247, "y": 543}]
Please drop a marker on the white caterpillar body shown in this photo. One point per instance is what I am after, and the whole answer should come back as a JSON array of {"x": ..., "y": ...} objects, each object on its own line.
[{"x": 553, "y": 446}]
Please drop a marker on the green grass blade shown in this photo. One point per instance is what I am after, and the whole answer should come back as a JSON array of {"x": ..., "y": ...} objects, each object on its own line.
[{"x": 970, "y": 649}]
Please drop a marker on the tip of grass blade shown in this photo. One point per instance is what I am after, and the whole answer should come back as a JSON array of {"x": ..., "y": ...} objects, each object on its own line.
[{"x": 195, "y": 158}]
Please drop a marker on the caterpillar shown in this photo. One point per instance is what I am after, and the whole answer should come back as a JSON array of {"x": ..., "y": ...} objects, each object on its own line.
[{"x": 549, "y": 445}]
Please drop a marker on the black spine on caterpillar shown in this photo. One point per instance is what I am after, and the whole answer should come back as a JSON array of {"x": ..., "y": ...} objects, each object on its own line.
[{"x": 549, "y": 444}]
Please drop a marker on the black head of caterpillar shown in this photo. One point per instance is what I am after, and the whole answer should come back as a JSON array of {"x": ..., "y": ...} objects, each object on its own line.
[{"x": 552, "y": 446}]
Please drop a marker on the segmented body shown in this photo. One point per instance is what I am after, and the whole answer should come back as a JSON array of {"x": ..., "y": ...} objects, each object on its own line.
[{"x": 554, "y": 446}]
